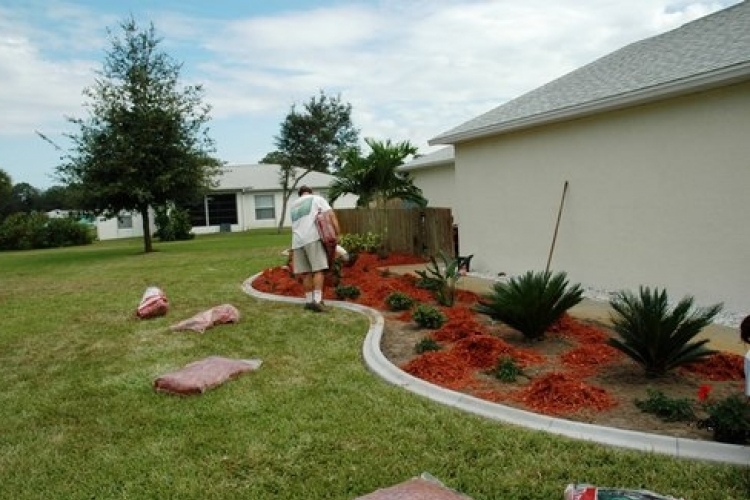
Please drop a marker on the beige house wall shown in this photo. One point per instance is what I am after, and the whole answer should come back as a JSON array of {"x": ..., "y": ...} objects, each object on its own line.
[
  {"x": 438, "y": 185},
  {"x": 658, "y": 196}
]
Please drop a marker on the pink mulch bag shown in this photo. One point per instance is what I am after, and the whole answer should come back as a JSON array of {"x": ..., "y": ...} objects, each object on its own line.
[
  {"x": 200, "y": 376},
  {"x": 154, "y": 303},
  {"x": 225, "y": 313},
  {"x": 327, "y": 233}
]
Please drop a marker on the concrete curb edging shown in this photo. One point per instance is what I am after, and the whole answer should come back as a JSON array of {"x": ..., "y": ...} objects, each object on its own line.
[{"x": 641, "y": 441}]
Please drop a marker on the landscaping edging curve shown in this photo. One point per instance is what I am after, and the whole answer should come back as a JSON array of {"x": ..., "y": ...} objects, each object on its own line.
[{"x": 641, "y": 441}]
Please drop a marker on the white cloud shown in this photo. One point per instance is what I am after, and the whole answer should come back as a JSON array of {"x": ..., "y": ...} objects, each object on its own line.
[{"x": 410, "y": 69}]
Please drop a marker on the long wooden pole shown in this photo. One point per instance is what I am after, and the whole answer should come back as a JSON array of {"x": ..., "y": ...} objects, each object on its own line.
[{"x": 557, "y": 226}]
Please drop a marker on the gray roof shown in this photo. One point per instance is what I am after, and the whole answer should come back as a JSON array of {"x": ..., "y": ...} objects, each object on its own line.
[
  {"x": 443, "y": 156},
  {"x": 264, "y": 177},
  {"x": 706, "y": 53}
]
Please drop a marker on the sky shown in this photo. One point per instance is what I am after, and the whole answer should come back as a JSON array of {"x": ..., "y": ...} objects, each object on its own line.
[{"x": 411, "y": 69}]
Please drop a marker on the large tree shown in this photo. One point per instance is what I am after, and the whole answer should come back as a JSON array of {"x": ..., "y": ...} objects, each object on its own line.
[
  {"x": 144, "y": 143},
  {"x": 313, "y": 138},
  {"x": 6, "y": 185}
]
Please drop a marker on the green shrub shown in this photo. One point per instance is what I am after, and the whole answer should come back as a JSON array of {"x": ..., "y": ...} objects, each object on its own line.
[
  {"x": 728, "y": 418},
  {"x": 344, "y": 292},
  {"x": 25, "y": 231},
  {"x": 532, "y": 302},
  {"x": 428, "y": 316},
  {"x": 359, "y": 243},
  {"x": 425, "y": 345},
  {"x": 666, "y": 408},
  {"x": 507, "y": 370},
  {"x": 655, "y": 337},
  {"x": 442, "y": 279},
  {"x": 399, "y": 301},
  {"x": 173, "y": 224}
]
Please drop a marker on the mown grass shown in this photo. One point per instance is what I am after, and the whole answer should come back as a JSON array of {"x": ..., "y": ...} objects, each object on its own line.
[{"x": 79, "y": 419}]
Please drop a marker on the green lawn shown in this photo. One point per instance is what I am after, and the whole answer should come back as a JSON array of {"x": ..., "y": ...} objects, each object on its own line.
[{"x": 79, "y": 419}]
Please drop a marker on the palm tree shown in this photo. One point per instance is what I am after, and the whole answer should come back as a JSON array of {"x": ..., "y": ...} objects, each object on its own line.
[{"x": 375, "y": 178}]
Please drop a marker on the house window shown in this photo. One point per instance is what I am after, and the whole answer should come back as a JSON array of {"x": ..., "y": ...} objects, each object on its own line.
[
  {"x": 125, "y": 222},
  {"x": 214, "y": 210},
  {"x": 264, "y": 207}
]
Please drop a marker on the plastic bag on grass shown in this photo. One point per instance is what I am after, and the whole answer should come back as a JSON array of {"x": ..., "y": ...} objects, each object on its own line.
[
  {"x": 225, "y": 313},
  {"x": 154, "y": 303},
  {"x": 590, "y": 492}
]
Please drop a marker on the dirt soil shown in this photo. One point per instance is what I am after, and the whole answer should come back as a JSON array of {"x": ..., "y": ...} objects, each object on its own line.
[
  {"x": 572, "y": 373},
  {"x": 621, "y": 378}
]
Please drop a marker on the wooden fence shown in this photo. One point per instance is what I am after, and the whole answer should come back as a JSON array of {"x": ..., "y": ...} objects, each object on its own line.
[{"x": 417, "y": 231}]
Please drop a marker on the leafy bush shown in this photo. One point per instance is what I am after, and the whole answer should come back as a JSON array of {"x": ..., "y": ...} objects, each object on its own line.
[
  {"x": 425, "y": 345},
  {"x": 25, "y": 231},
  {"x": 507, "y": 370},
  {"x": 666, "y": 408},
  {"x": 728, "y": 418},
  {"x": 173, "y": 224},
  {"x": 428, "y": 316},
  {"x": 531, "y": 302},
  {"x": 344, "y": 292},
  {"x": 399, "y": 301},
  {"x": 358, "y": 243},
  {"x": 442, "y": 280},
  {"x": 655, "y": 337}
]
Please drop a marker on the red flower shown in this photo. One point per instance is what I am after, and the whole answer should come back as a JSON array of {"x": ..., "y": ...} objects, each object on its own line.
[{"x": 703, "y": 392}]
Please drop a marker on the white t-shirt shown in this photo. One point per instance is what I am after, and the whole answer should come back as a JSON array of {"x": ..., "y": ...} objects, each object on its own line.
[
  {"x": 747, "y": 373},
  {"x": 303, "y": 212}
]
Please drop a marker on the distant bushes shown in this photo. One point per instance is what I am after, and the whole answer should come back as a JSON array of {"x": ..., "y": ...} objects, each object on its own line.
[{"x": 26, "y": 231}]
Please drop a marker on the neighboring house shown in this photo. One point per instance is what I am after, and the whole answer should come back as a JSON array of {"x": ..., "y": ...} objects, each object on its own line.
[
  {"x": 246, "y": 197},
  {"x": 434, "y": 174},
  {"x": 250, "y": 196},
  {"x": 653, "y": 141}
]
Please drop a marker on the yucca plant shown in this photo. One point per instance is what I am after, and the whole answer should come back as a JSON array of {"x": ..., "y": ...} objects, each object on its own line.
[
  {"x": 656, "y": 337},
  {"x": 532, "y": 302},
  {"x": 442, "y": 279}
]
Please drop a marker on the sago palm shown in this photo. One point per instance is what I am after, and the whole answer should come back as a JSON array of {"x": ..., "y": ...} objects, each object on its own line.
[
  {"x": 532, "y": 302},
  {"x": 655, "y": 337}
]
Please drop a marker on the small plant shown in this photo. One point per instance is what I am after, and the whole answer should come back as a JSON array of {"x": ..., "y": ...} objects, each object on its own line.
[
  {"x": 359, "y": 243},
  {"x": 399, "y": 301},
  {"x": 666, "y": 408},
  {"x": 344, "y": 292},
  {"x": 507, "y": 370},
  {"x": 442, "y": 279},
  {"x": 655, "y": 337},
  {"x": 425, "y": 345},
  {"x": 728, "y": 418},
  {"x": 532, "y": 302},
  {"x": 428, "y": 316}
]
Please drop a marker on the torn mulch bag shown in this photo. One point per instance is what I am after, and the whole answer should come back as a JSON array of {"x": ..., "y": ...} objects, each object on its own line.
[
  {"x": 154, "y": 303},
  {"x": 225, "y": 313}
]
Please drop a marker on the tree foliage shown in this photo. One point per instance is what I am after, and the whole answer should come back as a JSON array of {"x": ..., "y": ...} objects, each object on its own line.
[
  {"x": 144, "y": 143},
  {"x": 313, "y": 138},
  {"x": 375, "y": 178}
]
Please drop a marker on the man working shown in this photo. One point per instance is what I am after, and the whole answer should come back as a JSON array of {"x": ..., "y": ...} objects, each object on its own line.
[{"x": 309, "y": 254}]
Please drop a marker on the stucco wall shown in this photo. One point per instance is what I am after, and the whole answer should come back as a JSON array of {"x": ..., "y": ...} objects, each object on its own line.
[
  {"x": 438, "y": 185},
  {"x": 657, "y": 196}
]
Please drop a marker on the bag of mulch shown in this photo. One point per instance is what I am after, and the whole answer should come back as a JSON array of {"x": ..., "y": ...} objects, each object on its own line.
[
  {"x": 200, "y": 376},
  {"x": 225, "y": 313},
  {"x": 154, "y": 303},
  {"x": 590, "y": 492}
]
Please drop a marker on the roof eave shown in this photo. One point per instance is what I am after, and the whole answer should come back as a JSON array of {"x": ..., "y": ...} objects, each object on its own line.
[{"x": 697, "y": 83}]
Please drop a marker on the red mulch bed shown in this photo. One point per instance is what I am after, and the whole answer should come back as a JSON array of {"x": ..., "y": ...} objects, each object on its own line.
[{"x": 471, "y": 349}]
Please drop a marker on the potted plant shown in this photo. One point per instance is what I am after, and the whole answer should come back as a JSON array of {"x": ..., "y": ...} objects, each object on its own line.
[{"x": 728, "y": 418}]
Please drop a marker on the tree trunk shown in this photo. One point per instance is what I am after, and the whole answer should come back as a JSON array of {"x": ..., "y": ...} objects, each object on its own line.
[
  {"x": 147, "y": 246},
  {"x": 285, "y": 195}
]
